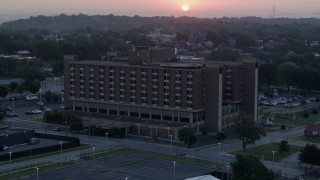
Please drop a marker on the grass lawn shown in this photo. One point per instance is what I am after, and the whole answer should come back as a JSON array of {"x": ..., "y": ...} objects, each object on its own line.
[
  {"x": 299, "y": 121},
  {"x": 302, "y": 138},
  {"x": 29, "y": 171},
  {"x": 265, "y": 150},
  {"x": 38, "y": 120}
]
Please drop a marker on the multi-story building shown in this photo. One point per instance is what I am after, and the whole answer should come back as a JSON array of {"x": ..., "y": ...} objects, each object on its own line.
[{"x": 153, "y": 85}]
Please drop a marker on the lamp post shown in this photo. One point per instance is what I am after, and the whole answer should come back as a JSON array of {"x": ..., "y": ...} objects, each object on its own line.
[
  {"x": 273, "y": 158},
  {"x": 219, "y": 147},
  {"x": 171, "y": 142},
  {"x": 174, "y": 170},
  {"x": 107, "y": 136},
  {"x": 228, "y": 166},
  {"x": 188, "y": 135},
  {"x": 61, "y": 151},
  {"x": 40, "y": 94},
  {"x": 37, "y": 172},
  {"x": 93, "y": 147},
  {"x": 12, "y": 105},
  {"x": 273, "y": 155},
  {"x": 10, "y": 162},
  {"x": 219, "y": 150}
]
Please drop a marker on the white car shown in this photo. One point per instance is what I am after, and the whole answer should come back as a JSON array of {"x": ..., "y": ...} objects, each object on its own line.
[
  {"x": 36, "y": 111},
  {"x": 40, "y": 103},
  {"x": 32, "y": 97},
  {"x": 47, "y": 109}
]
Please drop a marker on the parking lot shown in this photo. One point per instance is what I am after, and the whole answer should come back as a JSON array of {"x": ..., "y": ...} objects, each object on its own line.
[{"x": 120, "y": 167}]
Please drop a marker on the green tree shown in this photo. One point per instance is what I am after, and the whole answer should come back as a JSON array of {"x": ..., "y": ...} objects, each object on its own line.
[
  {"x": 288, "y": 74},
  {"x": 48, "y": 96},
  {"x": 308, "y": 78},
  {"x": 20, "y": 89},
  {"x": 31, "y": 73},
  {"x": 250, "y": 168},
  {"x": 247, "y": 130},
  {"x": 267, "y": 74},
  {"x": 220, "y": 136},
  {"x": 13, "y": 86},
  {"x": 2, "y": 113},
  {"x": 34, "y": 86},
  {"x": 187, "y": 136},
  {"x": 310, "y": 154},
  {"x": 283, "y": 146},
  {"x": 3, "y": 91}
]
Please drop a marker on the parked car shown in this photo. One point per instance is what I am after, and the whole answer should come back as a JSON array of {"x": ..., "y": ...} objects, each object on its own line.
[
  {"x": 46, "y": 109},
  {"x": 3, "y": 148},
  {"x": 36, "y": 111},
  {"x": 32, "y": 97},
  {"x": 268, "y": 123},
  {"x": 57, "y": 129},
  {"x": 29, "y": 112},
  {"x": 12, "y": 115},
  {"x": 40, "y": 103},
  {"x": 9, "y": 109}
]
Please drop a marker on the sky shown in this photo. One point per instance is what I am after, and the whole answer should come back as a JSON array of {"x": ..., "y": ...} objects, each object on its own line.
[{"x": 13, "y": 9}]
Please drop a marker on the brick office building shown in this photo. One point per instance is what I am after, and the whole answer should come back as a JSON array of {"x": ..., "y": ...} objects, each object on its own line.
[{"x": 153, "y": 85}]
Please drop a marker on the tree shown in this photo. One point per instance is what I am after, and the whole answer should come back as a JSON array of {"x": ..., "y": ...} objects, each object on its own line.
[
  {"x": 267, "y": 74},
  {"x": 221, "y": 136},
  {"x": 34, "y": 86},
  {"x": 187, "y": 136},
  {"x": 20, "y": 89},
  {"x": 48, "y": 96},
  {"x": 31, "y": 73},
  {"x": 288, "y": 74},
  {"x": 283, "y": 147},
  {"x": 2, "y": 113},
  {"x": 310, "y": 154},
  {"x": 247, "y": 130},
  {"x": 3, "y": 91},
  {"x": 13, "y": 86},
  {"x": 249, "y": 167}
]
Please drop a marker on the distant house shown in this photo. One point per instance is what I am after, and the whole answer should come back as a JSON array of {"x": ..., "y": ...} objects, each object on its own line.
[{"x": 312, "y": 131}]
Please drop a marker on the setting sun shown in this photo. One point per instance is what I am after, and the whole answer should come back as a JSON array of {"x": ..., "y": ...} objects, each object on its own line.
[{"x": 185, "y": 8}]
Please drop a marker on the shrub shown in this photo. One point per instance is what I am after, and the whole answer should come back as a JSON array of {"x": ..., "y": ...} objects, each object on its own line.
[
  {"x": 283, "y": 127},
  {"x": 315, "y": 111},
  {"x": 306, "y": 115}
]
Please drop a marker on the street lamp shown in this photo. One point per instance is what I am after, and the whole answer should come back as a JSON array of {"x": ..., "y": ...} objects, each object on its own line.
[
  {"x": 107, "y": 135},
  {"x": 40, "y": 94},
  {"x": 273, "y": 155},
  {"x": 171, "y": 142},
  {"x": 61, "y": 151},
  {"x": 227, "y": 171},
  {"x": 10, "y": 161},
  {"x": 174, "y": 170},
  {"x": 219, "y": 147},
  {"x": 93, "y": 147},
  {"x": 273, "y": 158},
  {"x": 12, "y": 105},
  {"x": 37, "y": 172}
]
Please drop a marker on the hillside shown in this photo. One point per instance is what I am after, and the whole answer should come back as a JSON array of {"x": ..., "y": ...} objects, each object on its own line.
[{"x": 65, "y": 23}]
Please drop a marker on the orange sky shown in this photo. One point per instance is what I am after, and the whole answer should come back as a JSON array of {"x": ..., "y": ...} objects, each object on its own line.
[{"x": 199, "y": 8}]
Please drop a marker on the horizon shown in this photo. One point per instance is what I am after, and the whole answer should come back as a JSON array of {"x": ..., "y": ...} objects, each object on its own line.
[
  {"x": 6, "y": 18},
  {"x": 17, "y": 9}
]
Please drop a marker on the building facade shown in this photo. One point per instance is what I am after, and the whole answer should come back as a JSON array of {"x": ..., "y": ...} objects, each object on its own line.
[{"x": 153, "y": 85}]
